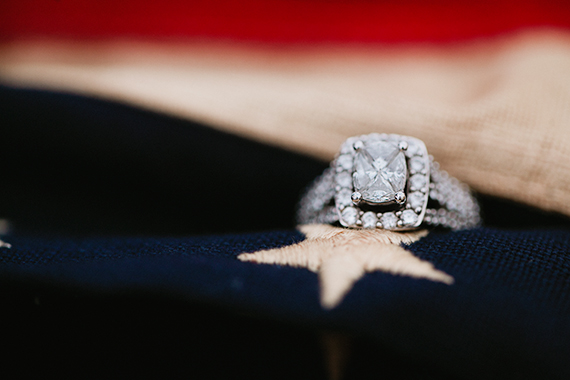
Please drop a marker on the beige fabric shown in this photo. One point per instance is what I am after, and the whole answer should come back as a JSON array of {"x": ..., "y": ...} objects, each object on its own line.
[
  {"x": 494, "y": 113},
  {"x": 342, "y": 256}
]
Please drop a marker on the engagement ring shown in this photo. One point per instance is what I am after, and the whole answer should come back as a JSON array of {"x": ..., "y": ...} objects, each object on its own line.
[{"x": 390, "y": 182}]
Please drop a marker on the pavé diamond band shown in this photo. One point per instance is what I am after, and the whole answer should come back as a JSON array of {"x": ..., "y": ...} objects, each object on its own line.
[{"x": 390, "y": 182}]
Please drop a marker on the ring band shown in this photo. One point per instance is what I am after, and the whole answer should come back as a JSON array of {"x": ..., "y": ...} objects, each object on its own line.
[{"x": 389, "y": 182}]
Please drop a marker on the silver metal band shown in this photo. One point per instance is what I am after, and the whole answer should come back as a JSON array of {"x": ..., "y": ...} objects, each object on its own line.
[
  {"x": 449, "y": 202},
  {"x": 458, "y": 208}
]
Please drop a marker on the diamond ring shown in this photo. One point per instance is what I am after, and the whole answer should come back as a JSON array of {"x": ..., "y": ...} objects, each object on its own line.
[{"x": 390, "y": 182}]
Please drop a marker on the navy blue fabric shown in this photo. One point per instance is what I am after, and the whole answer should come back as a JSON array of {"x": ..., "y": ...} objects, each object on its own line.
[
  {"x": 76, "y": 165},
  {"x": 507, "y": 315},
  {"x": 138, "y": 285}
]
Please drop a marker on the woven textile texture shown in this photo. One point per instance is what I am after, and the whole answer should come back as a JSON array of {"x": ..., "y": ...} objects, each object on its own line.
[
  {"x": 500, "y": 105},
  {"x": 505, "y": 317},
  {"x": 110, "y": 273},
  {"x": 153, "y": 153}
]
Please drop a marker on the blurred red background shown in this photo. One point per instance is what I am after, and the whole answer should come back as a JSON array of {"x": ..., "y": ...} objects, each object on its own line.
[{"x": 279, "y": 20}]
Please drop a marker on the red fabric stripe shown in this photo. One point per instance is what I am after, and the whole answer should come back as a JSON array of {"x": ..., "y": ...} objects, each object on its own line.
[{"x": 279, "y": 20}]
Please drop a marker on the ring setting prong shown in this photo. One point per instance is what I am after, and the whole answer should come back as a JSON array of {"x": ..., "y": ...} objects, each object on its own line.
[
  {"x": 358, "y": 145},
  {"x": 356, "y": 197},
  {"x": 400, "y": 197}
]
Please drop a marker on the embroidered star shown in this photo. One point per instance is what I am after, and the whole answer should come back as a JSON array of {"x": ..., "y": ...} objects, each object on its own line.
[{"x": 342, "y": 256}]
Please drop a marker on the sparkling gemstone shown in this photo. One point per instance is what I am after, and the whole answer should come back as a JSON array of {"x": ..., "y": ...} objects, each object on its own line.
[
  {"x": 433, "y": 194},
  {"x": 349, "y": 215},
  {"x": 343, "y": 197},
  {"x": 416, "y": 164},
  {"x": 369, "y": 220},
  {"x": 413, "y": 149},
  {"x": 416, "y": 199},
  {"x": 346, "y": 148},
  {"x": 343, "y": 179},
  {"x": 417, "y": 181},
  {"x": 379, "y": 171},
  {"x": 344, "y": 161},
  {"x": 389, "y": 220},
  {"x": 409, "y": 217}
]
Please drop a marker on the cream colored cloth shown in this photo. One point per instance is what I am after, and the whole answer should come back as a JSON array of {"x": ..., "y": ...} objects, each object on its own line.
[{"x": 495, "y": 113}]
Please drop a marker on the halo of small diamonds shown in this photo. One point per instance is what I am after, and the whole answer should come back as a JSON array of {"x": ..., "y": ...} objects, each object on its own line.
[
  {"x": 395, "y": 194},
  {"x": 369, "y": 220}
]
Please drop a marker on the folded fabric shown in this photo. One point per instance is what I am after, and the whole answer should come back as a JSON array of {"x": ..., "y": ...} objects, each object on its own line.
[
  {"x": 499, "y": 104},
  {"x": 153, "y": 155},
  {"x": 506, "y": 316},
  {"x": 107, "y": 245}
]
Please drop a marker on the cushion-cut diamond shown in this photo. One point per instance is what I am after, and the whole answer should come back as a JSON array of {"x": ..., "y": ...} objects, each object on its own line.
[{"x": 379, "y": 171}]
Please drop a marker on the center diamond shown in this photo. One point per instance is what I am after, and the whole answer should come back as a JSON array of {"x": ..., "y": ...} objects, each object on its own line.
[{"x": 379, "y": 171}]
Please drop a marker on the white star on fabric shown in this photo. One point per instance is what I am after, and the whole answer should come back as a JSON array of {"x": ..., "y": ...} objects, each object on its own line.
[{"x": 341, "y": 256}]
